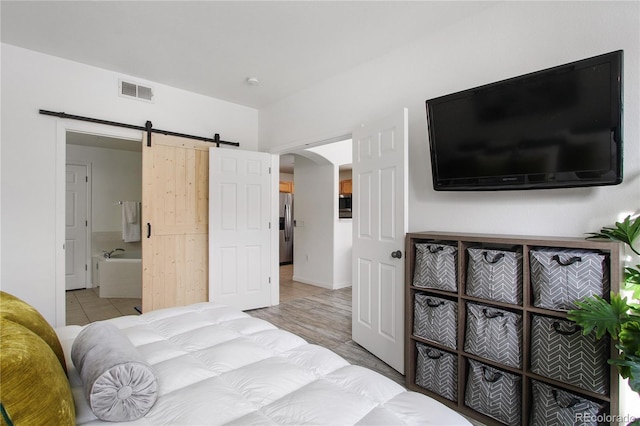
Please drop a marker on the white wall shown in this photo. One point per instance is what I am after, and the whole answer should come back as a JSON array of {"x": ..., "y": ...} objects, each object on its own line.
[
  {"x": 343, "y": 244},
  {"x": 506, "y": 40},
  {"x": 33, "y": 154},
  {"x": 116, "y": 175},
  {"x": 286, "y": 177},
  {"x": 345, "y": 174},
  {"x": 315, "y": 214}
]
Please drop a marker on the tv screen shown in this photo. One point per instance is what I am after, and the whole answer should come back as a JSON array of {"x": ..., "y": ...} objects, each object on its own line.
[{"x": 559, "y": 127}]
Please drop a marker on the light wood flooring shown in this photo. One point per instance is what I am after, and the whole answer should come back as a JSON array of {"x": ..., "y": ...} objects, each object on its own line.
[
  {"x": 318, "y": 315},
  {"x": 322, "y": 317}
]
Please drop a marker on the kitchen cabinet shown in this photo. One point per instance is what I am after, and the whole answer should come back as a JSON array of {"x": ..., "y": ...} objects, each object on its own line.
[
  {"x": 346, "y": 186},
  {"x": 286, "y": 187}
]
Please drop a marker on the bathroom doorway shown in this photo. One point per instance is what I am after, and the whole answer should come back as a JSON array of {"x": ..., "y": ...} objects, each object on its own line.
[{"x": 114, "y": 176}]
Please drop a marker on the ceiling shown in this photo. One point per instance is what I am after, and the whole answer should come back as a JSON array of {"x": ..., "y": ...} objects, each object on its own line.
[{"x": 212, "y": 47}]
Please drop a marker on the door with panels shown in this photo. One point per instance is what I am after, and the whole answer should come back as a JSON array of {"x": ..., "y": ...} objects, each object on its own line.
[
  {"x": 240, "y": 217},
  {"x": 76, "y": 225},
  {"x": 379, "y": 225}
]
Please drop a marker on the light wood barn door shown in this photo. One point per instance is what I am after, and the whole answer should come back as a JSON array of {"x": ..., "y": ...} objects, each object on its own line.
[{"x": 175, "y": 204}]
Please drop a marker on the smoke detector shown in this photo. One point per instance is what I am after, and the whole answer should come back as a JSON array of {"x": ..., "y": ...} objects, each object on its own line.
[
  {"x": 253, "y": 81},
  {"x": 136, "y": 91}
]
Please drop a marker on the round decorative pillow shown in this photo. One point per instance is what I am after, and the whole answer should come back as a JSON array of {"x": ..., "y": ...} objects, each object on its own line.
[{"x": 118, "y": 383}]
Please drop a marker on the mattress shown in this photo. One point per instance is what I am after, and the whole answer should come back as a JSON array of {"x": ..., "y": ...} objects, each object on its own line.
[{"x": 219, "y": 365}]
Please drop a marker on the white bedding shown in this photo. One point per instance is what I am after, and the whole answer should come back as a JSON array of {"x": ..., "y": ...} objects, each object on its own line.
[{"x": 218, "y": 365}]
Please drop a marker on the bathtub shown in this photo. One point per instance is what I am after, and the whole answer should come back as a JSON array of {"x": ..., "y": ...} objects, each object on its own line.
[{"x": 121, "y": 275}]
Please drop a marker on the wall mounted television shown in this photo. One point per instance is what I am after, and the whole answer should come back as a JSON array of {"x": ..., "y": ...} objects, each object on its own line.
[{"x": 556, "y": 128}]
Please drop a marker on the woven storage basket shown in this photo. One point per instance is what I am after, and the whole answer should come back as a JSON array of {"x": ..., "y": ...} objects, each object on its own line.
[
  {"x": 495, "y": 393},
  {"x": 436, "y": 319},
  {"x": 437, "y": 371},
  {"x": 560, "y": 277},
  {"x": 495, "y": 275},
  {"x": 435, "y": 266},
  {"x": 560, "y": 351},
  {"x": 494, "y": 334},
  {"x": 554, "y": 406}
]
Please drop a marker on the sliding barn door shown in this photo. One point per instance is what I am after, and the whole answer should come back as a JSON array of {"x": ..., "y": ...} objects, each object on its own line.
[{"x": 175, "y": 203}]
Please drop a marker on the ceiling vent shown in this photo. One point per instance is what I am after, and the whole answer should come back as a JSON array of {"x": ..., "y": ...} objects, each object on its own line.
[{"x": 137, "y": 91}]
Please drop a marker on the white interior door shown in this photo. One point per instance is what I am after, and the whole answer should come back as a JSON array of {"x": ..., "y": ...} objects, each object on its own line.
[
  {"x": 239, "y": 228},
  {"x": 76, "y": 227},
  {"x": 379, "y": 227}
]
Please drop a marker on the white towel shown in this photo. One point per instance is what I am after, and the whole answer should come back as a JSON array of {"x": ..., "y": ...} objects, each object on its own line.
[{"x": 130, "y": 221}]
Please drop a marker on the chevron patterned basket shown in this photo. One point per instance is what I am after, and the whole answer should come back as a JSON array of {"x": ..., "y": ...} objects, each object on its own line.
[
  {"x": 554, "y": 406},
  {"x": 436, "y": 319},
  {"x": 437, "y": 371},
  {"x": 494, "y": 334},
  {"x": 436, "y": 266},
  {"x": 495, "y": 393},
  {"x": 560, "y": 351},
  {"x": 560, "y": 277},
  {"x": 495, "y": 275}
]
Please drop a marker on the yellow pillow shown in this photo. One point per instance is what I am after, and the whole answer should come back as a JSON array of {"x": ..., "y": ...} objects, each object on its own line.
[
  {"x": 21, "y": 312},
  {"x": 34, "y": 389}
]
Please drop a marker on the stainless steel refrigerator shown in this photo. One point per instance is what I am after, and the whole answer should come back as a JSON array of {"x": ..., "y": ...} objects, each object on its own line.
[{"x": 286, "y": 228}]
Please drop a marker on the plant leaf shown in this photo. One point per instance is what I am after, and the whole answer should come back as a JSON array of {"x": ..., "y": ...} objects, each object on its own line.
[
  {"x": 632, "y": 365},
  {"x": 595, "y": 313},
  {"x": 632, "y": 280},
  {"x": 630, "y": 337},
  {"x": 626, "y": 231}
]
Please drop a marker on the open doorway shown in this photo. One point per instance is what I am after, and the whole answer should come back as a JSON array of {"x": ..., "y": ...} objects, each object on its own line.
[
  {"x": 319, "y": 179},
  {"x": 112, "y": 176}
]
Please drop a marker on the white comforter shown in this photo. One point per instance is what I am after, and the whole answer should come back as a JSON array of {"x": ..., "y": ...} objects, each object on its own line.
[{"x": 218, "y": 365}]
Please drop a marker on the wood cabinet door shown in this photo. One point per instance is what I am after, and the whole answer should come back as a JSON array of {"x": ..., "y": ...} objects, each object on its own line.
[
  {"x": 346, "y": 186},
  {"x": 175, "y": 212},
  {"x": 286, "y": 187}
]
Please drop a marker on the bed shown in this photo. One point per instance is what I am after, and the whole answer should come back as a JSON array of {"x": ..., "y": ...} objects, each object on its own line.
[{"x": 217, "y": 365}]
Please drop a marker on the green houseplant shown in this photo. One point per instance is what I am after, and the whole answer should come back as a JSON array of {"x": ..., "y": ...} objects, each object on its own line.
[{"x": 619, "y": 317}]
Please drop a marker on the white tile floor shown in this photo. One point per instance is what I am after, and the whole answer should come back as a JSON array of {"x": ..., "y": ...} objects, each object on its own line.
[{"x": 86, "y": 306}]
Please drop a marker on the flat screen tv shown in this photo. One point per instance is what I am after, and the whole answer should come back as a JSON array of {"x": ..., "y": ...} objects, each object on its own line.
[{"x": 555, "y": 128}]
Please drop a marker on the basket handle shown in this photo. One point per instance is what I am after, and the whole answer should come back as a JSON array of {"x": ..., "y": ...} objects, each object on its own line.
[
  {"x": 570, "y": 404},
  {"x": 496, "y": 259},
  {"x": 493, "y": 376},
  {"x": 571, "y": 261},
  {"x": 556, "y": 327},
  {"x": 437, "y": 249},
  {"x": 432, "y": 305},
  {"x": 436, "y": 356},
  {"x": 492, "y": 315}
]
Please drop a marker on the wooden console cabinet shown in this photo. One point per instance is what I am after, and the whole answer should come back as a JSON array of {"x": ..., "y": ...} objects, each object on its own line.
[{"x": 522, "y": 245}]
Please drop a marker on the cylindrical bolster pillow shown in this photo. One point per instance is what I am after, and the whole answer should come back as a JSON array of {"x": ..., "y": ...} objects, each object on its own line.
[{"x": 118, "y": 383}]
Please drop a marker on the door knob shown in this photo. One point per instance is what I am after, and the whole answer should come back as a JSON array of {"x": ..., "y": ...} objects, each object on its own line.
[{"x": 396, "y": 254}]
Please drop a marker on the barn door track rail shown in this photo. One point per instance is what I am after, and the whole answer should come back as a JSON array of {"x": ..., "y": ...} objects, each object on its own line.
[{"x": 146, "y": 128}]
